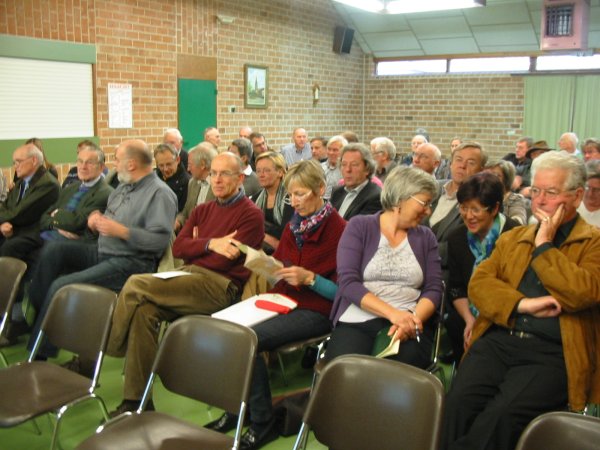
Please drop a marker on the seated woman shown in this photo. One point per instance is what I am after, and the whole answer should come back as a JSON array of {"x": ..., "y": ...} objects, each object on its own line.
[
  {"x": 480, "y": 202},
  {"x": 307, "y": 249},
  {"x": 271, "y": 199},
  {"x": 389, "y": 273},
  {"x": 514, "y": 205}
]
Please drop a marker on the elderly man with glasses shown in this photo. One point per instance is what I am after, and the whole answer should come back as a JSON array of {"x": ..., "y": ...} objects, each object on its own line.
[{"x": 534, "y": 346}]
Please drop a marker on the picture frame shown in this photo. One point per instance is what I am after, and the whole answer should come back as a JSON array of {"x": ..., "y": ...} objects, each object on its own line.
[{"x": 256, "y": 86}]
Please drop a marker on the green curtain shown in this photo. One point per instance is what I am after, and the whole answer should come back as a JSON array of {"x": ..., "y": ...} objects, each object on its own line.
[
  {"x": 548, "y": 107},
  {"x": 586, "y": 115}
]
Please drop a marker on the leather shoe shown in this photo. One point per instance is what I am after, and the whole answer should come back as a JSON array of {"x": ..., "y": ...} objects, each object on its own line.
[
  {"x": 223, "y": 424},
  {"x": 253, "y": 439},
  {"x": 81, "y": 366}
]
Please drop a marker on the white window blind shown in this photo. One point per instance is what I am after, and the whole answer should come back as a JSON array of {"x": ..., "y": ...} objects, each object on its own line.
[{"x": 47, "y": 99}]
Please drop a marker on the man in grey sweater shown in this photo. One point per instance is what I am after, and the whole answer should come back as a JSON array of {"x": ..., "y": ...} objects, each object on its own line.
[{"x": 133, "y": 234}]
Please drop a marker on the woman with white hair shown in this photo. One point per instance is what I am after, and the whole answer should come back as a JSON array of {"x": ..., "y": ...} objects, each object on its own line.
[{"x": 589, "y": 208}]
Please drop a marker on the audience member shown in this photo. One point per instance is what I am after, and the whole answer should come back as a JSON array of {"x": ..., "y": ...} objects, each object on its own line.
[
  {"x": 350, "y": 136},
  {"x": 73, "y": 174},
  {"x": 427, "y": 157},
  {"x": 359, "y": 195},
  {"x": 299, "y": 150},
  {"x": 417, "y": 140},
  {"x": 591, "y": 149},
  {"x": 173, "y": 137},
  {"x": 384, "y": 152},
  {"x": 245, "y": 132},
  {"x": 480, "y": 200},
  {"x": 3, "y": 188},
  {"x": 33, "y": 193},
  {"x": 199, "y": 191},
  {"x": 212, "y": 135},
  {"x": 443, "y": 170},
  {"x": 259, "y": 146},
  {"x": 318, "y": 147},
  {"x": 271, "y": 199},
  {"x": 468, "y": 159},
  {"x": 569, "y": 143},
  {"x": 133, "y": 234},
  {"x": 169, "y": 169},
  {"x": 532, "y": 347},
  {"x": 522, "y": 163},
  {"x": 51, "y": 168},
  {"x": 514, "y": 205},
  {"x": 389, "y": 274},
  {"x": 538, "y": 148},
  {"x": 331, "y": 167},
  {"x": 308, "y": 247},
  {"x": 243, "y": 149},
  {"x": 589, "y": 208},
  {"x": 208, "y": 244}
]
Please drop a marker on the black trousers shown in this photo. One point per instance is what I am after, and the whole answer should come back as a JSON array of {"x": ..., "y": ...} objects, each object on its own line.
[{"x": 503, "y": 383}]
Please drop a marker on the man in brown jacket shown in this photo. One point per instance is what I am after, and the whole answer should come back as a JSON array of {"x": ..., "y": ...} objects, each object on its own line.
[{"x": 534, "y": 347}]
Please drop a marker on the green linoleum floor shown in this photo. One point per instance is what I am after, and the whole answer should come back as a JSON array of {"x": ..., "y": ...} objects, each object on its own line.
[{"x": 83, "y": 419}]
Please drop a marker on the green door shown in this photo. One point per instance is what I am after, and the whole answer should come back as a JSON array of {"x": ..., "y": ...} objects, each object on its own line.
[{"x": 197, "y": 107}]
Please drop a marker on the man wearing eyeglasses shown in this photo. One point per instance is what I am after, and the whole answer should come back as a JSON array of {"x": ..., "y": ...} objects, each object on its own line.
[
  {"x": 384, "y": 152},
  {"x": 34, "y": 191},
  {"x": 534, "y": 346},
  {"x": 208, "y": 244},
  {"x": 427, "y": 157}
]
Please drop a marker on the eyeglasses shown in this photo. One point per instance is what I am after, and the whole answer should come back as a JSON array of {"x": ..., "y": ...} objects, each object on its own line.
[
  {"x": 475, "y": 211},
  {"x": 592, "y": 190},
  {"x": 416, "y": 155},
  {"x": 18, "y": 162},
  {"x": 224, "y": 174},
  {"x": 551, "y": 194},
  {"x": 421, "y": 202}
]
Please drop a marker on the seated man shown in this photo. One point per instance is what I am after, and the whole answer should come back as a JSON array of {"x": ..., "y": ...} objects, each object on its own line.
[
  {"x": 243, "y": 148},
  {"x": 533, "y": 345},
  {"x": 72, "y": 176},
  {"x": 173, "y": 137},
  {"x": 384, "y": 152},
  {"x": 35, "y": 190},
  {"x": 299, "y": 150},
  {"x": 169, "y": 169},
  {"x": 207, "y": 244},
  {"x": 331, "y": 166},
  {"x": 199, "y": 191},
  {"x": 134, "y": 233},
  {"x": 359, "y": 195},
  {"x": 67, "y": 218},
  {"x": 427, "y": 157}
]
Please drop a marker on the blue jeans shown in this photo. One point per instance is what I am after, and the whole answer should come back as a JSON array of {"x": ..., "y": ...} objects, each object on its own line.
[
  {"x": 297, "y": 325},
  {"x": 80, "y": 263}
]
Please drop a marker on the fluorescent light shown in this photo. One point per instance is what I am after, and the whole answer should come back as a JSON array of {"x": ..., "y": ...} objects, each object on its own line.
[
  {"x": 406, "y": 7},
  {"x": 410, "y": 6},
  {"x": 365, "y": 5}
]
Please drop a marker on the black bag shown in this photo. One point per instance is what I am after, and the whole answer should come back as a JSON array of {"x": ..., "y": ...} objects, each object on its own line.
[{"x": 289, "y": 412}]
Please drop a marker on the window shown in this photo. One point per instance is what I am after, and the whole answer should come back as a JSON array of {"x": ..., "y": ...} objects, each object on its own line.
[
  {"x": 473, "y": 65},
  {"x": 415, "y": 67}
]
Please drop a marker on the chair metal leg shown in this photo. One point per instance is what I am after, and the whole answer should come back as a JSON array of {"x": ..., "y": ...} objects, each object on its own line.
[
  {"x": 3, "y": 359},
  {"x": 280, "y": 359},
  {"x": 302, "y": 438}
]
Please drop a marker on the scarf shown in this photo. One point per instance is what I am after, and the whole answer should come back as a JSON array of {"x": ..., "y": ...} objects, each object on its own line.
[
  {"x": 303, "y": 227},
  {"x": 261, "y": 202}
]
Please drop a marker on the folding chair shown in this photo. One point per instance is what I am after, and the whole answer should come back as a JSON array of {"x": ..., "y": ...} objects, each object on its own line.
[
  {"x": 200, "y": 357},
  {"x": 78, "y": 320},
  {"x": 361, "y": 402},
  {"x": 12, "y": 270},
  {"x": 295, "y": 346},
  {"x": 435, "y": 367},
  {"x": 561, "y": 430}
]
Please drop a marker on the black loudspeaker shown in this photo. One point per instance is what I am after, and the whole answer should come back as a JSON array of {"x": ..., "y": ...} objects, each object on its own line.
[{"x": 342, "y": 40}]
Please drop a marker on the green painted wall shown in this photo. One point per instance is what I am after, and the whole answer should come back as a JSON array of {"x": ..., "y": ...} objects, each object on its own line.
[{"x": 57, "y": 150}]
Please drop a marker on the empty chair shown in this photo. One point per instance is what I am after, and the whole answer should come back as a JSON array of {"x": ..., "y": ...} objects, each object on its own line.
[
  {"x": 12, "y": 270},
  {"x": 559, "y": 431},
  {"x": 361, "y": 402},
  {"x": 78, "y": 320},
  {"x": 203, "y": 358}
]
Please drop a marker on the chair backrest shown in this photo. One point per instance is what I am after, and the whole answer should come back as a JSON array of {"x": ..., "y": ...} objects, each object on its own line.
[
  {"x": 364, "y": 402},
  {"x": 79, "y": 319},
  {"x": 561, "y": 430},
  {"x": 12, "y": 270},
  {"x": 207, "y": 359}
]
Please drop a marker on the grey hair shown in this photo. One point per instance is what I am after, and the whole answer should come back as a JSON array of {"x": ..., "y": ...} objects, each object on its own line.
[
  {"x": 165, "y": 148},
  {"x": 174, "y": 131},
  {"x": 339, "y": 138},
  {"x": 404, "y": 182},
  {"x": 437, "y": 154},
  {"x": 592, "y": 168},
  {"x": 35, "y": 152},
  {"x": 204, "y": 152},
  {"x": 528, "y": 140},
  {"x": 244, "y": 147},
  {"x": 561, "y": 160},
  {"x": 572, "y": 137},
  {"x": 365, "y": 154},
  {"x": 473, "y": 144},
  {"x": 386, "y": 145},
  {"x": 508, "y": 172}
]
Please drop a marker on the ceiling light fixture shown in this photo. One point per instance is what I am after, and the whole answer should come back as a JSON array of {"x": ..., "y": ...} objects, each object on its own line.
[{"x": 409, "y": 6}]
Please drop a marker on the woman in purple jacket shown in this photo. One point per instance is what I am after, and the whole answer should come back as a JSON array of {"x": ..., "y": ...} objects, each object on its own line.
[{"x": 389, "y": 273}]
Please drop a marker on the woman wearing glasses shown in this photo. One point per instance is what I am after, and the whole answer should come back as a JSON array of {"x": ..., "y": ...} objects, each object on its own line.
[
  {"x": 389, "y": 273},
  {"x": 272, "y": 198},
  {"x": 480, "y": 200},
  {"x": 307, "y": 249}
]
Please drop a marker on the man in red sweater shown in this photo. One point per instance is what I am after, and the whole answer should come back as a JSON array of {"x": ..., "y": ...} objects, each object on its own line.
[{"x": 207, "y": 244}]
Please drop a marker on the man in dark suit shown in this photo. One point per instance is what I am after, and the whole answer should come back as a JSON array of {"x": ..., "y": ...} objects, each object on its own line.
[
  {"x": 359, "y": 195},
  {"x": 34, "y": 191}
]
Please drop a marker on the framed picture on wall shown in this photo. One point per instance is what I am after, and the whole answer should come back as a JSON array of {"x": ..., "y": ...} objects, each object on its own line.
[{"x": 256, "y": 86}]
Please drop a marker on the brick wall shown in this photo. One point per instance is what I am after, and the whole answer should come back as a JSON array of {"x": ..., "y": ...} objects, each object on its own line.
[{"x": 484, "y": 108}]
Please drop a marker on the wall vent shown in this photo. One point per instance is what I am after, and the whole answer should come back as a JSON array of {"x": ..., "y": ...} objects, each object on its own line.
[{"x": 565, "y": 24}]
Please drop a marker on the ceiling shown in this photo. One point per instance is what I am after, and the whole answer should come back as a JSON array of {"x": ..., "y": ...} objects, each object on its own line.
[{"x": 502, "y": 26}]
